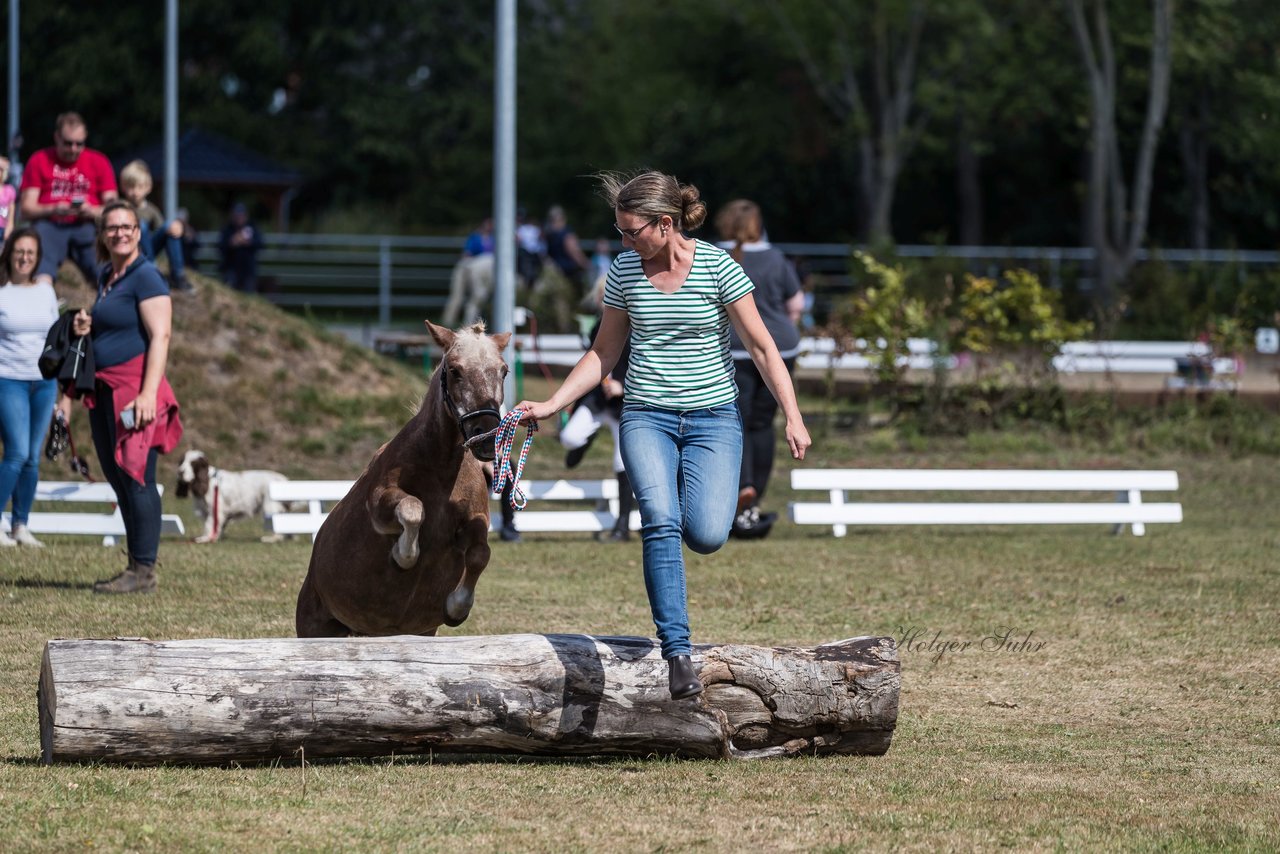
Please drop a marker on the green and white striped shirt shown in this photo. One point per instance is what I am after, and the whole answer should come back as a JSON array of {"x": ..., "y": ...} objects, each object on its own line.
[{"x": 679, "y": 342}]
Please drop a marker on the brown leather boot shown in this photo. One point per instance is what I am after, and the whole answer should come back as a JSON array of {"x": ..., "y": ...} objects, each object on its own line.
[{"x": 138, "y": 578}]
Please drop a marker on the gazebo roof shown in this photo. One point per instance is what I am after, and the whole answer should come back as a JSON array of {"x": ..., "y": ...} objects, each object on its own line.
[{"x": 205, "y": 157}]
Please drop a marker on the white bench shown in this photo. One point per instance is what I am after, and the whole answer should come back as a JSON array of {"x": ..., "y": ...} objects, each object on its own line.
[
  {"x": 108, "y": 525},
  {"x": 603, "y": 492},
  {"x": 820, "y": 354},
  {"x": 1140, "y": 357},
  {"x": 316, "y": 494},
  {"x": 1127, "y": 509},
  {"x": 319, "y": 493}
]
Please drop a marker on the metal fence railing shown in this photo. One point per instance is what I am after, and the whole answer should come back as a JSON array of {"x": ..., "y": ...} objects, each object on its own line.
[{"x": 374, "y": 278}]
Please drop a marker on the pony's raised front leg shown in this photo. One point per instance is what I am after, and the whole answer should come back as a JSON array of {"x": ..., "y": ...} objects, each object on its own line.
[
  {"x": 394, "y": 511},
  {"x": 457, "y": 606}
]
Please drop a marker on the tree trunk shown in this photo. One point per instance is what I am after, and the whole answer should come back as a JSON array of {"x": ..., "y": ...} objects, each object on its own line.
[
  {"x": 219, "y": 701},
  {"x": 1193, "y": 147},
  {"x": 1116, "y": 225},
  {"x": 969, "y": 186}
]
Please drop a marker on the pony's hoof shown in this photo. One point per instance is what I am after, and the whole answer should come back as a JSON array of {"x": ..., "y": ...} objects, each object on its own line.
[{"x": 458, "y": 607}]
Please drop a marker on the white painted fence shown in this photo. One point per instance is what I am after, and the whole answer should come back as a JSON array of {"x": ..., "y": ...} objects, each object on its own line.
[{"x": 1128, "y": 507}]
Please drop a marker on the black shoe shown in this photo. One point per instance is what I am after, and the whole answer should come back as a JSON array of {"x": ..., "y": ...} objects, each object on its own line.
[
  {"x": 683, "y": 678},
  {"x": 575, "y": 456},
  {"x": 509, "y": 534},
  {"x": 750, "y": 524}
]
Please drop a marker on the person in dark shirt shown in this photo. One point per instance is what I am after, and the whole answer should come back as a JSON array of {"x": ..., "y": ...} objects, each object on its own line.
[
  {"x": 132, "y": 413},
  {"x": 564, "y": 249},
  {"x": 780, "y": 300},
  {"x": 239, "y": 245}
]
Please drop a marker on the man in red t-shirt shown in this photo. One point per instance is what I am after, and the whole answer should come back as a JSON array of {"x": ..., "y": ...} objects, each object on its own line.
[{"x": 63, "y": 191}]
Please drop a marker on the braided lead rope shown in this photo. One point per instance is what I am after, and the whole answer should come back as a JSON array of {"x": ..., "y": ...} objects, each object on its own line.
[{"x": 502, "y": 445}]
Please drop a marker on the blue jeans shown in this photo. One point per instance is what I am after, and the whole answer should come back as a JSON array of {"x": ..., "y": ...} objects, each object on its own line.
[
  {"x": 26, "y": 407},
  {"x": 139, "y": 502},
  {"x": 59, "y": 241},
  {"x": 684, "y": 470},
  {"x": 153, "y": 244}
]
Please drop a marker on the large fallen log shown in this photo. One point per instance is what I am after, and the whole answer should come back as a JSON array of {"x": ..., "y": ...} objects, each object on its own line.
[{"x": 218, "y": 701}]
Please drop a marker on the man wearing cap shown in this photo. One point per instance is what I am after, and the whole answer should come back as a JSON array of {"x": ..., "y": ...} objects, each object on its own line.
[
  {"x": 239, "y": 245},
  {"x": 63, "y": 191}
]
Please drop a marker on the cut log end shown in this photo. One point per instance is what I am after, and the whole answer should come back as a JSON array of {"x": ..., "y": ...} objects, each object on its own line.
[{"x": 219, "y": 701}]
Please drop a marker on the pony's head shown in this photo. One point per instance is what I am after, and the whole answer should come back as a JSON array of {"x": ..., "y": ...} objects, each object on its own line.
[{"x": 471, "y": 375}]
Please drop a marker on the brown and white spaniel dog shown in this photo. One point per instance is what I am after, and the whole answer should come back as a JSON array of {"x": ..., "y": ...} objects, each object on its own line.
[{"x": 220, "y": 495}]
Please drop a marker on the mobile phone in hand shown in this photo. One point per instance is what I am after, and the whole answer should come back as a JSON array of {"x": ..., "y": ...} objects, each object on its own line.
[{"x": 127, "y": 419}]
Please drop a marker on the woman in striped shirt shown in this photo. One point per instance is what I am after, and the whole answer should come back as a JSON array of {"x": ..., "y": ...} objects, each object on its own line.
[{"x": 674, "y": 297}]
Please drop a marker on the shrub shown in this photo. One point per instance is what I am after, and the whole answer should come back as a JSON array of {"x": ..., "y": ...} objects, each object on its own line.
[
  {"x": 1019, "y": 323},
  {"x": 881, "y": 319}
]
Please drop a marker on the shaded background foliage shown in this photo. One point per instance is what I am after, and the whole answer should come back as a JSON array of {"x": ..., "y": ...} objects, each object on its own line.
[{"x": 386, "y": 108}]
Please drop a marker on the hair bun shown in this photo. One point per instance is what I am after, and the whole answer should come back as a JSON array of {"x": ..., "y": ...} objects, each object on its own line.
[{"x": 693, "y": 209}]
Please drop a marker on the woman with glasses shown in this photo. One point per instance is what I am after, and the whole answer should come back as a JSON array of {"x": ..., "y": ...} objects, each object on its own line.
[
  {"x": 674, "y": 298},
  {"x": 133, "y": 413},
  {"x": 27, "y": 309}
]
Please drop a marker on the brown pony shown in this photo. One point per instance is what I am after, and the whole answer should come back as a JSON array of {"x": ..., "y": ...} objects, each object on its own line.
[{"x": 402, "y": 552}]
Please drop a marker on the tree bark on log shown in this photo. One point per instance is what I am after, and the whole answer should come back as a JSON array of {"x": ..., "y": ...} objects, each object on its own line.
[{"x": 220, "y": 701}]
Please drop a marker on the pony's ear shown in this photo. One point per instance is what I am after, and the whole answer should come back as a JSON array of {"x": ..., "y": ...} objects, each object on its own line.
[
  {"x": 501, "y": 340},
  {"x": 444, "y": 337}
]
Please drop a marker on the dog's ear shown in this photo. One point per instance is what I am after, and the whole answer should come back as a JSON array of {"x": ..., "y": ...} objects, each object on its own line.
[
  {"x": 200, "y": 483},
  {"x": 182, "y": 489}
]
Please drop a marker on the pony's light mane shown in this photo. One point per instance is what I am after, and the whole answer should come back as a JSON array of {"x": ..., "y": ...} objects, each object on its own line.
[{"x": 473, "y": 347}]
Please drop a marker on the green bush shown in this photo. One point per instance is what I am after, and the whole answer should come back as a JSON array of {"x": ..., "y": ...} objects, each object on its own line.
[
  {"x": 1016, "y": 322},
  {"x": 880, "y": 319}
]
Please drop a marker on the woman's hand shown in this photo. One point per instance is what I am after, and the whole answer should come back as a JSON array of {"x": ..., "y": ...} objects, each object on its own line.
[
  {"x": 83, "y": 324},
  {"x": 535, "y": 411},
  {"x": 63, "y": 406},
  {"x": 144, "y": 409},
  {"x": 798, "y": 439}
]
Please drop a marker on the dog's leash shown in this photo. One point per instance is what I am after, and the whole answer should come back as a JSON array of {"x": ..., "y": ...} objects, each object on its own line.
[
  {"x": 503, "y": 442},
  {"x": 60, "y": 439},
  {"x": 217, "y": 497}
]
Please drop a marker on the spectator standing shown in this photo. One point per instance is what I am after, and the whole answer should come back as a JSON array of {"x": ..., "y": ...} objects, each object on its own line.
[
  {"x": 63, "y": 191},
  {"x": 133, "y": 412},
  {"x": 564, "y": 250},
  {"x": 27, "y": 309},
  {"x": 780, "y": 299},
  {"x": 472, "y": 279},
  {"x": 674, "y": 298},
  {"x": 157, "y": 235},
  {"x": 8, "y": 201},
  {"x": 239, "y": 245},
  {"x": 529, "y": 248}
]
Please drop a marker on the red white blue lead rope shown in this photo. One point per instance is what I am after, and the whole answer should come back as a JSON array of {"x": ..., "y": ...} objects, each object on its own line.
[{"x": 503, "y": 443}]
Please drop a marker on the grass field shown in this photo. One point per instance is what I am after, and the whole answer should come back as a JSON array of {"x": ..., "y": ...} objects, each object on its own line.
[{"x": 1144, "y": 714}]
